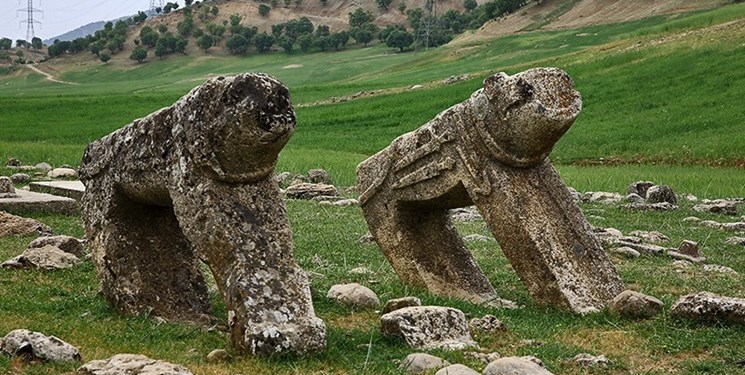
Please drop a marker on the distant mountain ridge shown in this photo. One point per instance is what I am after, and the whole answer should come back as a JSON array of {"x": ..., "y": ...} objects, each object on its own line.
[{"x": 85, "y": 30}]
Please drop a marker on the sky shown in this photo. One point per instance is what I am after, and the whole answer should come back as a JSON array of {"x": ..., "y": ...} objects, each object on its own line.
[{"x": 61, "y": 16}]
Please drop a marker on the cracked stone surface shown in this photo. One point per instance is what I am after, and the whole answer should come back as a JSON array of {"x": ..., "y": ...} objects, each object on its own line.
[
  {"x": 194, "y": 181},
  {"x": 38, "y": 345},
  {"x": 132, "y": 364},
  {"x": 12, "y": 225},
  {"x": 428, "y": 327},
  {"x": 490, "y": 151},
  {"x": 709, "y": 307}
]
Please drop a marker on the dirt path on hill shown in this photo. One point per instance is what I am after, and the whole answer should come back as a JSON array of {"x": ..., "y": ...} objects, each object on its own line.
[{"x": 48, "y": 76}]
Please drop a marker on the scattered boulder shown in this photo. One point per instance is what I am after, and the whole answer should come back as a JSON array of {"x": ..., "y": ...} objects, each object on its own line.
[
  {"x": 44, "y": 167},
  {"x": 6, "y": 188},
  {"x": 416, "y": 87},
  {"x": 346, "y": 202},
  {"x": 602, "y": 197},
  {"x": 515, "y": 366},
  {"x": 488, "y": 323},
  {"x": 453, "y": 79},
  {"x": 428, "y": 327},
  {"x": 642, "y": 247},
  {"x": 660, "y": 206},
  {"x": 607, "y": 236},
  {"x": 20, "y": 178},
  {"x": 12, "y": 162},
  {"x": 635, "y": 305},
  {"x": 354, "y": 295},
  {"x": 640, "y": 188},
  {"x": 218, "y": 355},
  {"x": 418, "y": 363},
  {"x": 736, "y": 227},
  {"x": 735, "y": 241},
  {"x": 720, "y": 269},
  {"x": 476, "y": 238},
  {"x": 309, "y": 191},
  {"x": 625, "y": 251},
  {"x": 11, "y": 225},
  {"x": 681, "y": 266},
  {"x": 457, "y": 369},
  {"x": 62, "y": 173},
  {"x": 651, "y": 236},
  {"x": 22, "y": 342},
  {"x": 688, "y": 250},
  {"x": 589, "y": 360},
  {"x": 634, "y": 198},
  {"x": 709, "y": 307},
  {"x": 132, "y": 364},
  {"x": 67, "y": 244},
  {"x": 718, "y": 206},
  {"x": 48, "y": 257},
  {"x": 661, "y": 194},
  {"x": 483, "y": 357},
  {"x": 319, "y": 176},
  {"x": 465, "y": 214},
  {"x": 400, "y": 303}
]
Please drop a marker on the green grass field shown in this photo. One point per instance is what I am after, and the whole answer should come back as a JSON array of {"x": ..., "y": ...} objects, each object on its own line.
[{"x": 662, "y": 102}]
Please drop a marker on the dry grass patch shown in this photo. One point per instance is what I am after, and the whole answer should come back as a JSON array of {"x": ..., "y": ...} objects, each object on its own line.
[{"x": 358, "y": 321}]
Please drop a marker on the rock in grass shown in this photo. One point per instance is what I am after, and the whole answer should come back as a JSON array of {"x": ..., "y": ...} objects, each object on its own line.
[
  {"x": 635, "y": 305},
  {"x": 132, "y": 364},
  {"x": 22, "y": 342},
  {"x": 515, "y": 366},
  {"x": 418, "y": 363},
  {"x": 48, "y": 257},
  {"x": 428, "y": 327},
  {"x": 650, "y": 236},
  {"x": 488, "y": 323},
  {"x": 589, "y": 360},
  {"x": 319, "y": 176},
  {"x": 43, "y": 166},
  {"x": 354, "y": 295},
  {"x": 475, "y": 238},
  {"x": 20, "y": 178},
  {"x": 67, "y": 244},
  {"x": 688, "y": 250},
  {"x": 709, "y": 307},
  {"x": 625, "y": 251},
  {"x": 400, "y": 303},
  {"x": 602, "y": 197},
  {"x": 457, "y": 369},
  {"x": 735, "y": 241},
  {"x": 11, "y": 225},
  {"x": 218, "y": 355},
  {"x": 310, "y": 191},
  {"x": 661, "y": 194},
  {"x": 719, "y": 269},
  {"x": 640, "y": 188},
  {"x": 62, "y": 173},
  {"x": 718, "y": 206}
]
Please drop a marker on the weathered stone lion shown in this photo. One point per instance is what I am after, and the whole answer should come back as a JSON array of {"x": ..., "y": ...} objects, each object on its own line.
[
  {"x": 194, "y": 182},
  {"x": 491, "y": 151}
]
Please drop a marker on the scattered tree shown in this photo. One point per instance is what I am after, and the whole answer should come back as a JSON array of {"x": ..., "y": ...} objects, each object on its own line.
[
  {"x": 263, "y": 42},
  {"x": 181, "y": 44},
  {"x": 359, "y": 17},
  {"x": 162, "y": 28},
  {"x": 205, "y": 42},
  {"x": 214, "y": 10},
  {"x": 305, "y": 41},
  {"x": 264, "y": 10},
  {"x": 104, "y": 57},
  {"x": 237, "y": 44},
  {"x": 188, "y": 2},
  {"x": 363, "y": 36},
  {"x": 6, "y": 43},
  {"x": 470, "y": 5},
  {"x": 36, "y": 43},
  {"x": 139, "y": 54},
  {"x": 185, "y": 26},
  {"x": 402, "y": 7},
  {"x": 286, "y": 43},
  {"x": 399, "y": 39},
  {"x": 383, "y": 4}
]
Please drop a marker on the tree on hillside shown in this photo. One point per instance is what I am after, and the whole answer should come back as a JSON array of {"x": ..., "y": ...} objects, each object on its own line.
[
  {"x": 264, "y": 10},
  {"x": 263, "y": 42},
  {"x": 399, "y": 39},
  {"x": 36, "y": 43},
  {"x": 414, "y": 16},
  {"x": 286, "y": 43},
  {"x": 298, "y": 2},
  {"x": 6, "y": 43},
  {"x": 359, "y": 17},
  {"x": 139, "y": 54},
  {"x": 323, "y": 2},
  {"x": 188, "y": 2},
  {"x": 305, "y": 41},
  {"x": 149, "y": 38},
  {"x": 205, "y": 42},
  {"x": 214, "y": 10},
  {"x": 363, "y": 36},
  {"x": 140, "y": 17},
  {"x": 383, "y": 4},
  {"x": 339, "y": 40},
  {"x": 288, "y": 3},
  {"x": 185, "y": 26},
  {"x": 161, "y": 49},
  {"x": 237, "y": 44},
  {"x": 162, "y": 28},
  {"x": 402, "y": 7},
  {"x": 470, "y": 5},
  {"x": 21, "y": 43},
  {"x": 104, "y": 57},
  {"x": 181, "y": 44}
]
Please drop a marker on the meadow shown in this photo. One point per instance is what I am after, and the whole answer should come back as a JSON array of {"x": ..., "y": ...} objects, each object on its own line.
[{"x": 662, "y": 102}]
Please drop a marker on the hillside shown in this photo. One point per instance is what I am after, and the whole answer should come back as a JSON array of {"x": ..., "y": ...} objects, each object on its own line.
[{"x": 565, "y": 14}]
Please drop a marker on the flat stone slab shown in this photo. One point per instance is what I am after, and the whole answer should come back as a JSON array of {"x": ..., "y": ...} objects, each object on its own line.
[
  {"x": 69, "y": 189},
  {"x": 38, "y": 202}
]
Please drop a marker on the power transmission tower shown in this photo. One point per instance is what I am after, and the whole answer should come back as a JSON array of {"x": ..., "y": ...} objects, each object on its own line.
[
  {"x": 30, "y": 21},
  {"x": 155, "y": 4},
  {"x": 429, "y": 24}
]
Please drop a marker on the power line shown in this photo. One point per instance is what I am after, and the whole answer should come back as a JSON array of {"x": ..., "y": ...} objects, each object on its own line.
[
  {"x": 155, "y": 4},
  {"x": 30, "y": 21}
]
